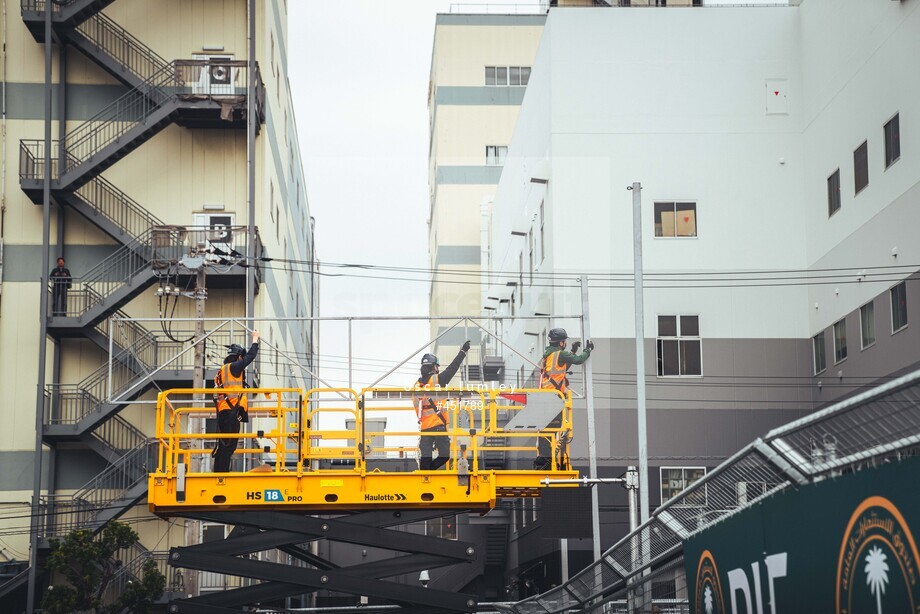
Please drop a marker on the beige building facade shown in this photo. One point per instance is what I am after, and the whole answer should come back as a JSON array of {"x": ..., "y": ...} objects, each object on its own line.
[{"x": 150, "y": 179}]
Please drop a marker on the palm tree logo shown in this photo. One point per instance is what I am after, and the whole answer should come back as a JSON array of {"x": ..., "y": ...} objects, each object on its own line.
[
  {"x": 877, "y": 574},
  {"x": 707, "y": 599}
]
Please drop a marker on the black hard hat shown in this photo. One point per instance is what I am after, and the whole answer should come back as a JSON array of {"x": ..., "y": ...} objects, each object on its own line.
[
  {"x": 558, "y": 334},
  {"x": 430, "y": 359},
  {"x": 235, "y": 349}
]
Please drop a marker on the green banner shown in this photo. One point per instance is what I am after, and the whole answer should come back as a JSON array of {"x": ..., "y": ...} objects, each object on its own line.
[{"x": 846, "y": 545}]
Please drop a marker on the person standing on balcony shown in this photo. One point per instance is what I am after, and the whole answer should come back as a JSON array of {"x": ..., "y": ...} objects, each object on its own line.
[
  {"x": 433, "y": 415},
  {"x": 232, "y": 407},
  {"x": 60, "y": 284}
]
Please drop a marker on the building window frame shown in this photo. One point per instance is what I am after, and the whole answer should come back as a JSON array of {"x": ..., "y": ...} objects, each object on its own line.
[
  {"x": 892, "y": 132},
  {"x": 507, "y": 76},
  {"x": 672, "y": 206},
  {"x": 833, "y": 193},
  {"x": 895, "y": 293},
  {"x": 861, "y": 167},
  {"x": 840, "y": 340},
  {"x": 697, "y": 499},
  {"x": 496, "y": 155},
  {"x": 435, "y": 527},
  {"x": 819, "y": 351},
  {"x": 682, "y": 339},
  {"x": 867, "y": 320}
]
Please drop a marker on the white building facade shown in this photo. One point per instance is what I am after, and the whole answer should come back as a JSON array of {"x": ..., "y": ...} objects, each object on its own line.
[{"x": 778, "y": 207}]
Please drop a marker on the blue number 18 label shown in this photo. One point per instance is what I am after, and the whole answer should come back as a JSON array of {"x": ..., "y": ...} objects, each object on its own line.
[{"x": 273, "y": 495}]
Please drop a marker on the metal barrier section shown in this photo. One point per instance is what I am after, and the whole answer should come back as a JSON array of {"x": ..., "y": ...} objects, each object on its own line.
[
  {"x": 338, "y": 449},
  {"x": 880, "y": 424}
]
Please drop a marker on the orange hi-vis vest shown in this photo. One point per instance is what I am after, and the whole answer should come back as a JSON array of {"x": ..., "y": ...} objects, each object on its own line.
[
  {"x": 428, "y": 416},
  {"x": 553, "y": 374},
  {"x": 225, "y": 379}
]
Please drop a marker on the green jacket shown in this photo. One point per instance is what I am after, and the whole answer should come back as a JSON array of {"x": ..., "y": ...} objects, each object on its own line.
[{"x": 567, "y": 357}]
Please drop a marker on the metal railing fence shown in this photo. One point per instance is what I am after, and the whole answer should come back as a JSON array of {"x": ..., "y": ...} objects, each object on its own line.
[
  {"x": 879, "y": 423},
  {"x": 131, "y": 53}
]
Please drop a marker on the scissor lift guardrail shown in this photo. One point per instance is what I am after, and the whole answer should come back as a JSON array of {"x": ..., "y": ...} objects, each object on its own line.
[{"x": 329, "y": 469}]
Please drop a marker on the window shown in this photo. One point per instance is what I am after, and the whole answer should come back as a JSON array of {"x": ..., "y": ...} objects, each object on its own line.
[
  {"x": 679, "y": 349},
  {"x": 861, "y": 166},
  {"x": 820, "y": 358},
  {"x": 521, "y": 277},
  {"x": 530, "y": 256},
  {"x": 542, "y": 234},
  {"x": 899, "y": 307},
  {"x": 507, "y": 75},
  {"x": 444, "y": 527},
  {"x": 867, "y": 324},
  {"x": 892, "y": 141},
  {"x": 833, "y": 193},
  {"x": 675, "y": 480},
  {"x": 675, "y": 219},
  {"x": 840, "y": 341},
  {"x": 496, "y": 154}
]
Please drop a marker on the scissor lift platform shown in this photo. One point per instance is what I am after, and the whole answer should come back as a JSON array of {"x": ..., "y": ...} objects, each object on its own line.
[
  {"x": 342, "y": 491},
  {"x": 288, "y": 421}
]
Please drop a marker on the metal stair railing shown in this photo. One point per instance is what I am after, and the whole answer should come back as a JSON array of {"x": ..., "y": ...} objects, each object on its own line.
[
  {"x": 117, "y": 207},
  {"x": 39, "y": 5},
  {"x": 127, "y": 333},
  {"x": 129, "y": 51},
  {"x": 118, "y": 435},
  {"x": 61, "y": 514},
  {"x": 156, "y": 248},
  {"x": 119, "y": 477}
]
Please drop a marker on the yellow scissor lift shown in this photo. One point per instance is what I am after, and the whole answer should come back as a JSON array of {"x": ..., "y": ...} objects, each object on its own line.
[
  {"x": 327, "y": 455},
  {"x": 321, "y": 459}
]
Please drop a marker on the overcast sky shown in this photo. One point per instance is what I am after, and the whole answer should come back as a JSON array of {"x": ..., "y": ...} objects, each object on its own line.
[{"x": 359, "y": 77}]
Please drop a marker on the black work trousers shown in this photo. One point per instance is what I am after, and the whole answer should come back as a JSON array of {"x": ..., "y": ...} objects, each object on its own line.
[
  {"x": 59, "y": 300},
  {"x": 428, "y": 443},
  {"x": 227, "y": 422}
]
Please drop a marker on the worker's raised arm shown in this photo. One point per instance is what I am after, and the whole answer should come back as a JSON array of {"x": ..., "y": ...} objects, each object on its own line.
[
  {"x": 237, "y": 367},
  {"x": 447, "y": 374}
]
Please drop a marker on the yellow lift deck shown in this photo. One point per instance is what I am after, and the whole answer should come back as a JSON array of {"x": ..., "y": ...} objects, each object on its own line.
[{"x": 318, "y": 451}]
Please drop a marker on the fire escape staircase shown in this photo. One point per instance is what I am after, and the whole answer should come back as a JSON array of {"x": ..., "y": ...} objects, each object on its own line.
[{"x": 191, "y": 93}]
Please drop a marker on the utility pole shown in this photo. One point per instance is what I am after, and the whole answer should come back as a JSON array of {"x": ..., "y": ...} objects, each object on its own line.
[
  {"x": 640, "y": 351},
  {"x": 592, "y": 435},
  {"x": 192, "y": 527}
]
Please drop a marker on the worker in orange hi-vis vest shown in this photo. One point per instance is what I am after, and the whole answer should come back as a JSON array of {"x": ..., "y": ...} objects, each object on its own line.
[
  {"x": 433, "y": 415},
  {"x": 556, "y": 360},
  {"x": 554, "y": 376}
]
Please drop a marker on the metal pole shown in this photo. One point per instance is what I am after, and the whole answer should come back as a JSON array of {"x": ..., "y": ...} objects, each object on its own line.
[
  {"x": 43, "y": 324},
  {"x": 632, "y": 478},
  {"x": 349, "y": 354},
  {"x": 108, "y": 384},
  {"x": 252, "y": 121},
  {"x": 195, "y": 424},
  {"x": 592, "y": 436},
  {"x": 564, "y": 559},
  {"x": 640, "y": 352}
]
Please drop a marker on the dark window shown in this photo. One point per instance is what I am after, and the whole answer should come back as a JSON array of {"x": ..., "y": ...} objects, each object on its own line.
[
  {"x": 444, "y": 527},
  {"x": 867, "y": 324},
  {"x": 840, "y": 341},
  {"x": 899, "y": 307},
  {"x": 820, "y": 358},
  {"x": 675, "y": 480},
  {"x": 892, "y": 141},
  {"x": 833, "y": 193},
  {"x": 679, "y": 346},
  {"x": 861, "y": 166}
]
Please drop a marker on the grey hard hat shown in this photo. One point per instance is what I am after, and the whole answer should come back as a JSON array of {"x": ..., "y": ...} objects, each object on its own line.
[
  {"x": 430, "y": 359},
  {"x": 558, "y": 334}
]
